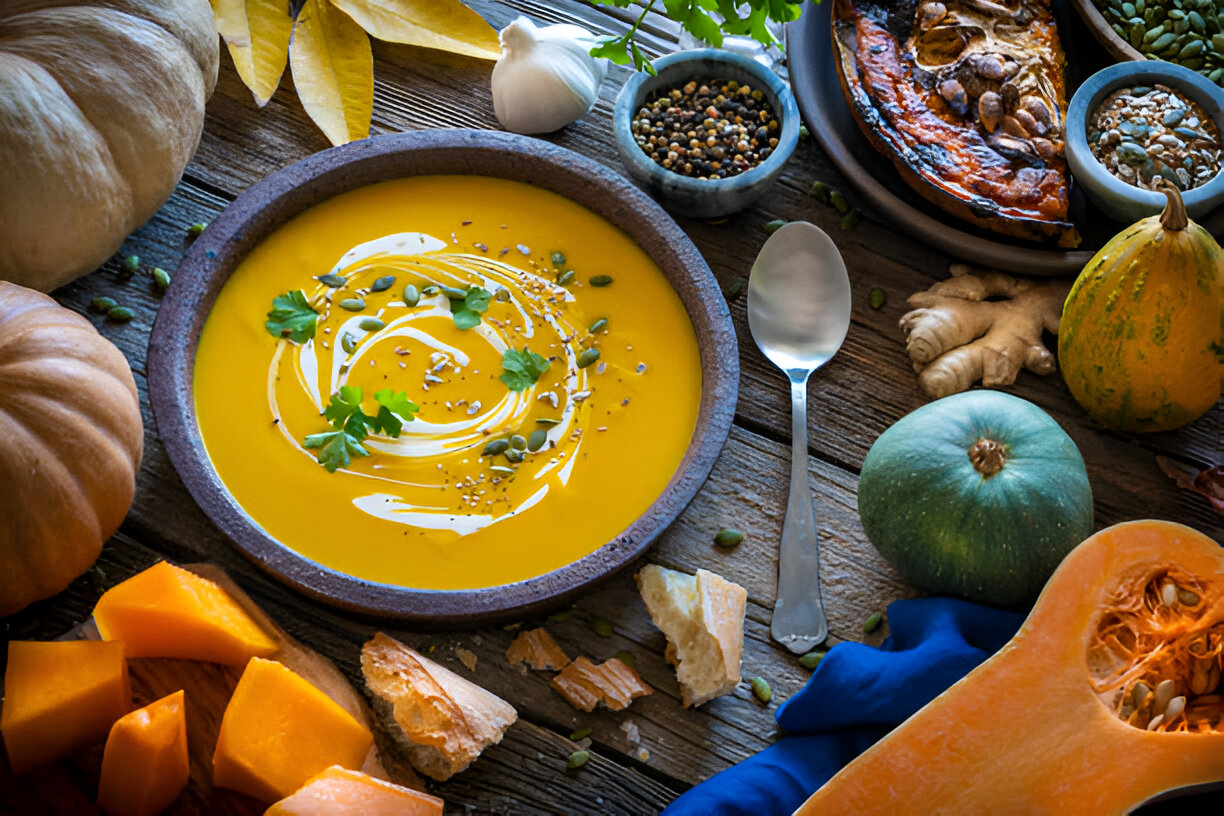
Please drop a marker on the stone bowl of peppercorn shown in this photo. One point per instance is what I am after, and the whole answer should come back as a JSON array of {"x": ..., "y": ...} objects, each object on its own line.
[
  {"x": 1133, "y": 123},
  {"x": 708, "y": 134}
]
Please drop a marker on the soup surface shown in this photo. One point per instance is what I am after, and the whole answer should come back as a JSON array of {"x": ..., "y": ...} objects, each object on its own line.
[{"x": 517, "y": 408}]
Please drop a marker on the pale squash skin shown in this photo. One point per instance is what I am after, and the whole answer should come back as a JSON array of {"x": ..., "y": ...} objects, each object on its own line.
[
  {"x": 72, "y": 431},
  {"x": 1141, "y": 340},
  {"x": 101, "y": 108},
  {"x": 1025, "y": 732}
]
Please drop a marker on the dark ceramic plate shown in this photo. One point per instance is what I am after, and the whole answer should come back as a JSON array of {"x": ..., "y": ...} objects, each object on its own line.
[
  {"x": 823, "y": 106},
  {"x": 284, "y": 194}
]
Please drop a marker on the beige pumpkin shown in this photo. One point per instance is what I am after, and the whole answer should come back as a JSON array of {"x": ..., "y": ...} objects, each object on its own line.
[
  {"x": 72, "y": 436},
  {"x": 101, "y": 108}
]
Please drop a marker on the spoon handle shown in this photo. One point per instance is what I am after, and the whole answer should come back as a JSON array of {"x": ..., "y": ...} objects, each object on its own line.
[{"x": 799, "y": 621}]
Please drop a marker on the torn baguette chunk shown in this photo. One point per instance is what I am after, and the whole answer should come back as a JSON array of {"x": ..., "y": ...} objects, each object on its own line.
[
  {"x": 702, "y": 617},
  {"x": 538, "y": 650},
  {"x": 584, "y": 685},
  {"x": 441, "y": 721}
]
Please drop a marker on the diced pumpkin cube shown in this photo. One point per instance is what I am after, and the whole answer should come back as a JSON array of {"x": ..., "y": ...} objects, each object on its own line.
[
  {"x": 343, "y": 792},
  {"x": 145, "y": 766},
  {"x": 278, "y": 731},
  {"x": 60, "y": 697},
  {"x": 167, "y": 611}
]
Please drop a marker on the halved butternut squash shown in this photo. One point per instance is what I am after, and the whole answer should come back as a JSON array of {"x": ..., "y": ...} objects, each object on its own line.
[
  {"x": 145, "y": 765},
  {"x": 342, "y": 792},
  {"x": 278, "y": 731},
  {"x": 60, "y": 697},
  {"x": 167, "y": 611},
  {"x": 1108, "y": 695}
]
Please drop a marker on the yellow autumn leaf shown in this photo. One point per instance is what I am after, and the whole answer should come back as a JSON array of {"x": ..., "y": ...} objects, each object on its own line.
[
  {"x": 333, "y": 69},
  {"x": 447, "y": 25},
  {"x": 256, "y": 32}
]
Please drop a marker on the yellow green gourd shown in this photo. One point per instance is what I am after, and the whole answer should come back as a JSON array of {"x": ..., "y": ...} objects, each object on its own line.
[{"x": 1141, "y": 340}]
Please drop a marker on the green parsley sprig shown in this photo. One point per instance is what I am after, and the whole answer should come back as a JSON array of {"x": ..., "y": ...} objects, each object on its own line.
[
  {"x": 292, "y": 317},
  {"x": 352, "y": 425},
  {"x": 466, "y": 310},
  {"x": 740, "y": 18},
  {"x": 522, "y": 368}
]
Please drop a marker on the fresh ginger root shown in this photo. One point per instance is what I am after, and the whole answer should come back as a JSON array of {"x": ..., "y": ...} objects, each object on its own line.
[{"x": 956, "y": 335}]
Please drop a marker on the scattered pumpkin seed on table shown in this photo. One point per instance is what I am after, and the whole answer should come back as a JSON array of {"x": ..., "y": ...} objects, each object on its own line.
[
  {"x": 872, "y": 623},
  {"x": 581, "y": 733},
  {"x": 161, "y": 279},
  {"x": 761, "y": 690},
  {"x": 877, "y": 298},
  {"x": 773, "y": 226},
  {"x": 102, "y": 305},
  {"x": 627, "y": 658},
  {"x": 120, "y": 314},
  {"x": 812, "y": 659},
  {"x": 728, "y": 538},
  {"x": 577, "y": 759},
  {"x": 602, "y": 627}
]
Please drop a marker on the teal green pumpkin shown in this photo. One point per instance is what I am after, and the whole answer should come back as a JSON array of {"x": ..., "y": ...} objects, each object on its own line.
[{"x": 978, "y": 495}]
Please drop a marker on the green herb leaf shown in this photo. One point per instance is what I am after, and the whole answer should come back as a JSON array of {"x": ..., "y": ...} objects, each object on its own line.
[
  {"x": 292, "y": 317},
  {"x": 336, "y": 448},
  {"x": 393, "y": 410},
  {"x": 522, "y": 368},
  {"x": 466, "y": 311}
]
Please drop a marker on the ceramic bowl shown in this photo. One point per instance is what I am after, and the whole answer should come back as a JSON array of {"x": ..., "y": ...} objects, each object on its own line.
[
  {"x": 271, "y": 202},
  {"x": 1115, "y": 197},
  {"x": 692, "y": 197}
]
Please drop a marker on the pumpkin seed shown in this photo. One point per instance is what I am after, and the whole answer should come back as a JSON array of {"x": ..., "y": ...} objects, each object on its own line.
[
  {"x": 1174, "y": 709},
  {"x": 558, "y": 259},
  {"x": 501, "y": 469},
  {"x": 598, "y": 325},
  {"x": 577, "y": 759},
  {"x": 602, "y": 627},
  {"x": 565, "y": 277},
  {"x": 850, "y": 220},
  {"x": 839, "y": 202},
  {"x": 333, "y": 280},
  {"x": 548, "y": 421},
  {"x": 581, "y": 733},
  {"x": 352, "y": 304},
  {"x": 627, "y": 658},
  {"x": 773, "y": 226},
  {"x": 1162, "y": 42},
  {"x": 348, "y": 343},
  {"x": 382, "y": 284},
  {"x": 728, "y": 538},
  {"x": 872, "y": 623},
  {"x": 517, "y": 442},
  {"x": 811, "y": 660},
  {"x": 587, "y": 357},
  {"x": 537, "y": 439},
  {"x": 1155, "y": 722},
  {"x": 1190, "y": 49},
  {"x": 102, "y": 305},
  {"x": 454, "y": 293},
  {"x": 821, "y": 192},
  {"x": 195, "y": 229},
  {"x": 1168, "y": 594},
  {"x": 877, "y": 298},
  {"x": 761, "y": 690},
  {"x": 1139, "y": 694},
  {"x": 430, "y": 290},
  {"x": 411, "y": 296},
  {"x": 161, "y": 279},
  {"x": 371, "y": 324},
  {"x": 1152, "y": 36},
  {"x": 1162, "y": 695},
  {"x": 131, "y": 265},
  {"x": 495, "y": 447},
  {"x": 120, "y": 314},
  {"x": 1187, "y": 597},
  {"x": 558, "y": 617},
  {"x": 513, "y": 456},
  {"x": 601, "y": 280}
]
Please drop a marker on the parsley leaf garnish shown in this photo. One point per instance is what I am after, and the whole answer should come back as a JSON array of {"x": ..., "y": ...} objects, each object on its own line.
[
  {"x": 292, "y": 317},
  {"x": 466, "y": 311},
  {"x": 522, "y": 368},
  {"x": 336, "y": 448}
]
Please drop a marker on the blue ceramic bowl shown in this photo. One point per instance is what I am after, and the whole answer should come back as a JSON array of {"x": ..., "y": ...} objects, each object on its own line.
[
  {"x": 1113, "y": 196},
  {"x": 689, "y": 196}
]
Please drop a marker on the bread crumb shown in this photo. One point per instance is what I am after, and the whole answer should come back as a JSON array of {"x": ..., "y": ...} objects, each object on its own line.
[
  {"x": 467, "y": 658},
  {"x": 537, "y": 649}
]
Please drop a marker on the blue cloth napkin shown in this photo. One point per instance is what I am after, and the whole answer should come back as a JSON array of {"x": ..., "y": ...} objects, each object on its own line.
[{"x": 856, "y": 695}]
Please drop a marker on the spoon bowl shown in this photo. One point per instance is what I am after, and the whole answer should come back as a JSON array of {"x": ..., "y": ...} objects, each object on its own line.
[{"x": 799, "y": 313}]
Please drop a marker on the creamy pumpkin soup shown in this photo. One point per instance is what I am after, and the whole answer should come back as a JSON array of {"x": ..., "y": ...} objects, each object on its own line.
[{"x": 446, "y": 382}]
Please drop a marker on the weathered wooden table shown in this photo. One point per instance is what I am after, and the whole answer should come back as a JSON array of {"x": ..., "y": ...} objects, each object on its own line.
[{"x": 868, "y": 386}]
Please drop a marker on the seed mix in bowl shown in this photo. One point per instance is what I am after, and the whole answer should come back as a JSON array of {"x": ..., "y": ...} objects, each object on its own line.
[
  {"x": 707, "y": 130},
  {"x": 1144, "y": 133}
]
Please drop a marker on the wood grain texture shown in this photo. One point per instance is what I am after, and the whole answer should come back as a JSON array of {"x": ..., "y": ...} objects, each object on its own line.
[{"x": 867, "y": 387}]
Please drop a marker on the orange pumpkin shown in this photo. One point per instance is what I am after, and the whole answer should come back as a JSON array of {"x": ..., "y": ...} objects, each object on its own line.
[
  {"x": 1108, "y": 695},
  {"x": 70, "y": 421},
  {"x": 145, "y": 764}
]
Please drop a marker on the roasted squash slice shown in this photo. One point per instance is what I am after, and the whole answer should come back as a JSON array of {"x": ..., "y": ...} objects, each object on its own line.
[
  {"x": 1109, "y": 695},
  {"x": 967, "y": 99}
]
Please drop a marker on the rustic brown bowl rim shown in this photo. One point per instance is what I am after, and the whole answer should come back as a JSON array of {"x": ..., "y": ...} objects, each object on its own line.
[{"x": 288, "y": 192}]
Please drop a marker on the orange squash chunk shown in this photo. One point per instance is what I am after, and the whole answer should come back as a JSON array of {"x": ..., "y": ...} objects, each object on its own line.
[
  {"x": 278, "y": 731},
  {"x": 167, "y": 611},
  {"x": 144, "y": 766},
  {"x": 60, "y": 697},
  {"x": 341, "y": 791}
]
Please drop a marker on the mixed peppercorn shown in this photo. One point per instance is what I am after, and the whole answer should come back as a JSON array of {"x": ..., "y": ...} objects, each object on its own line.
[{"x": 707, "y": 130}]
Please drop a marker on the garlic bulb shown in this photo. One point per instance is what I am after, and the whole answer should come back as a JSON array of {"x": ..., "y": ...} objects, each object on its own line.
[{"x": 545, "y": 78}]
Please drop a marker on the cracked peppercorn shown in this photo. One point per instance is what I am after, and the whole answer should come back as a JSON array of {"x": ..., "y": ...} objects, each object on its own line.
[{"x": 707, "y": 130}]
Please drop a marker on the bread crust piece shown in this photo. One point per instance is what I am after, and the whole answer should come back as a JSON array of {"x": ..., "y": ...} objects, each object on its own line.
[
  {"x": 440, "y": 720},
  {"x": 584, "y": 684},
  {"x": 537, "y": 649},
  {"x": 702, "y": 617}
]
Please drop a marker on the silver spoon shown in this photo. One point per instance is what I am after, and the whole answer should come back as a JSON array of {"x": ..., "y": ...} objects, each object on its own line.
[{"x": 798, "y": 313}]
